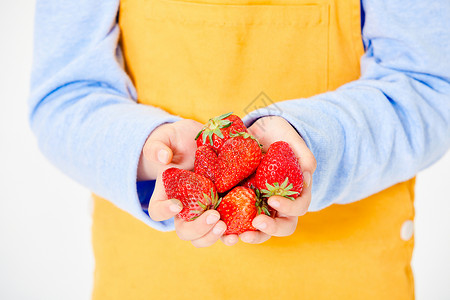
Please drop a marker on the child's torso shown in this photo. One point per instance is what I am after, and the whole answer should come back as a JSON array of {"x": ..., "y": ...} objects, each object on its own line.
[{"x": 206, "y": 58}]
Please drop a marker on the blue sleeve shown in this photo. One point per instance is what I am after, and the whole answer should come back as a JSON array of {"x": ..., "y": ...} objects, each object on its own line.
[
  {"x": 83, "y": 106},
  {"x": 395, "y": 119}
]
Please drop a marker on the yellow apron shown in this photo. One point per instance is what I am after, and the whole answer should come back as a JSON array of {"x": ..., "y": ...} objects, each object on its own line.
[{"x": 205, "y": 58}]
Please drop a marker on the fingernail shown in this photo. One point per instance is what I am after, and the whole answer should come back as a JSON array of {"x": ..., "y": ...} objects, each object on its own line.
[
  {"x": 163, "y": 156},
  {"x": 261, "y": 226},
  {"x": 175, "y": 206},
  {"x": 218, "y": 230},
  {"x": 211, "y": 219},
  {"x": 274, "y": 203},
  {"x": 307, "y": 179}
]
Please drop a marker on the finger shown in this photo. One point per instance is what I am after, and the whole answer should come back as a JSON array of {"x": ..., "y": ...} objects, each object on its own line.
[
  {"x": 160, "y": 208},
  {"x": 230, "y": 239},
  {"x": 295, "y": 208},
  {"x": 261, "y": 129},
  {"x": 164, "y": 210},
  {"x": 197, "y": 228},
  {"x": 280, "y": 226},
  {"x": 254, "y": 237},
  {"x": 156, "y": 151},
  {"x": 154, "y": 158},
  {"x": 211, "y": 237}
]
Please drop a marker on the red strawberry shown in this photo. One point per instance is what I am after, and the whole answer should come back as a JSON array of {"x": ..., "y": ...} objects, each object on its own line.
[
  {"x": 238, "y": 209},
  {"x": 279, "y": 172},
  {"x": 217, "y": 130},
  {"x": 196, "y": 192},
  {"x": 238, "y": 159},
  {"x": 205, "y": 161},
  {"x": 249, "y": 182},
  {"x": 262, "y": 204}
]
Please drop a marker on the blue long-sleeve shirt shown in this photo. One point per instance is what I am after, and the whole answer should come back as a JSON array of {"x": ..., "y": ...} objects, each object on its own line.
[{"x": 366, "y": 136}]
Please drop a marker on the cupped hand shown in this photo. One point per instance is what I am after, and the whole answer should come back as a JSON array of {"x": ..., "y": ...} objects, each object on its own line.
[
  {"x": 169, "y": 145},
  {"x": 269, "y": 130},
  {"x": 173, "y": 145}
]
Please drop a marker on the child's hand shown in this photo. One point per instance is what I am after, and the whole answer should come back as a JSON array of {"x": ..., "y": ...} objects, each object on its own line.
[
  {"x": 169, "y": 145},
  {"x": 269, "y": 130},
  {"x": 173, "y": 145}
]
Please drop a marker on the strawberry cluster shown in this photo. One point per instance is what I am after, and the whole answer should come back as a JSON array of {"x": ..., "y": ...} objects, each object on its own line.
[{"x": 229, "y": 163}]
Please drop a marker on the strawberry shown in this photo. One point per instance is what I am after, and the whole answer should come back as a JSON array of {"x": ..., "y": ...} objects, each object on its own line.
[
  {"x": 217, "y": 130},
  {"x": 205, "y": 161},
  {"x": 249, "y": 182},
  {"x": 238, "y": 209},
  {"x": 196, "y": 192},
  {"x": 279, "y": 172},
  {"x": 239, "y": 157}
]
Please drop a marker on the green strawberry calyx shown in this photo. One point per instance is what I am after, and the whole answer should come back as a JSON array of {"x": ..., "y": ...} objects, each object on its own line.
[
  {"x": 261, "y": 204},
  {"x": 211, "y": 202},
  {"x": 276, "y": 189},
  {"x": 214, "y": 126},
  {"x": 245, "y": 135}
]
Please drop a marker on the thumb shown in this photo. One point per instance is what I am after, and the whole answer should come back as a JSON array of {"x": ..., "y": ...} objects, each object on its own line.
[
  {"x": 154, "y": 156},
  {"x": 157, "y": 152}
]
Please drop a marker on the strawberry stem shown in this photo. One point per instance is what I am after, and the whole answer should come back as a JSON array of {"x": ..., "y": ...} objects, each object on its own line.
[
  {"x": 210, "y": 203},
  {"x": 261, "y": 204},
  {"x": 283, "y": 190},
  {"x": 214, "y": 126},
  {"x": 246, "y": 135}
]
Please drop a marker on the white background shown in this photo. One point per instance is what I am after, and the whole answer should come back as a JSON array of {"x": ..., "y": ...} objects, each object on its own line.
[{"x": 45, "y": 250}]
